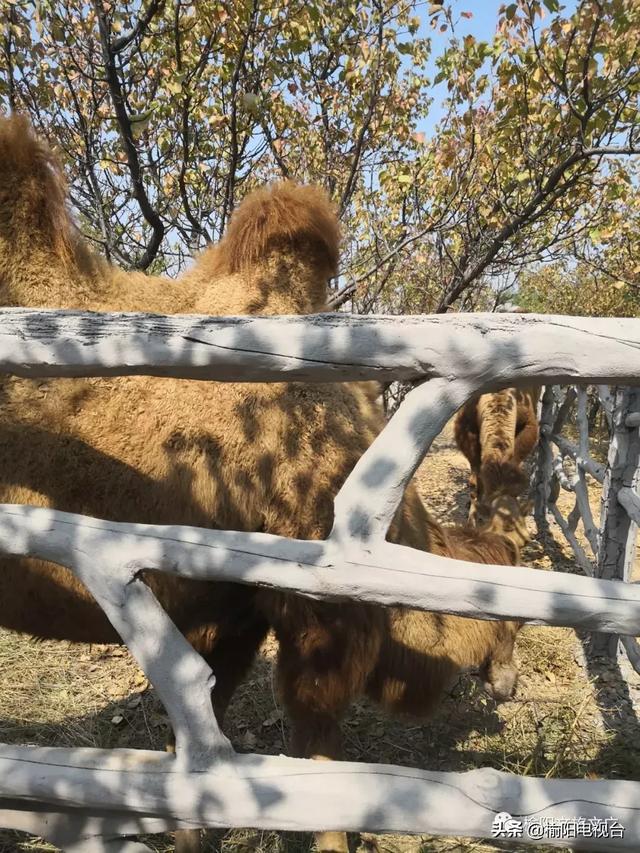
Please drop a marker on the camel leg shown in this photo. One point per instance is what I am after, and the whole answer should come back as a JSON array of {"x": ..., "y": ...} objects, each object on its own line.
[
  {"x": 318, "y": 736},
  {"x": 326, "y": 655},
  {"x": 315, "y": 698},
  {"x": 229, "y": 661},
  {"x": 474, "y": 487},
  {"x": 188, "y": 841},
  {"x": 526, "y": 439}
]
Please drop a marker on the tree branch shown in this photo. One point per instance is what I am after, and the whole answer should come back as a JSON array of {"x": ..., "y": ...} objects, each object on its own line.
[
  {"x": 349, "y": 290},
  {"x": 119, "y": 44},
  {"x": 8, "y": 52},
  {"x": 197, "y": 226},
  {"x": 233, "y": 162},
  {"x": 366, "y": 122},
  {"x": 517, "y": 222},
  {"x": 276, "y": 154},
  {"x": 126, "y": 135}
]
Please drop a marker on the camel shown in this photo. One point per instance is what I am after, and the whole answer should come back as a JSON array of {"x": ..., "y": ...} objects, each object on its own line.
[
  {"x": 251, "y": 457},
  {"x": 496, "y": 432}
]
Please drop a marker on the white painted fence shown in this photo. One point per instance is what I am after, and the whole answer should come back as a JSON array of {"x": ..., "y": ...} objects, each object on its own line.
[
  {"x": 86, "y": 799},
  {"x": 612, "y": 543}
]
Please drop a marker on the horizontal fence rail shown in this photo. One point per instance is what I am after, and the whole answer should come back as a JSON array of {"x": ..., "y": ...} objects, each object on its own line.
[
  {"x": 64, "y": 794},
  {"x": 385, "y": 573},
  {"x": 273, "y": 792},
  {"x": 485, "y": 349}
]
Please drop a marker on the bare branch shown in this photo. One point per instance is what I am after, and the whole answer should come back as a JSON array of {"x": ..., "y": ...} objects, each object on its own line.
[
  {"x": 126, "y": 135},
  {"x": 366, "y": 122},
  {"x": 8, "y": 55},
  {"x": 196, "y": 225},
  {"x": 229, "y": 195}
]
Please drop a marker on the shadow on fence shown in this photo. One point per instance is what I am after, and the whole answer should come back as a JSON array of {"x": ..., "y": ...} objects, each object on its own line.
[{"x": 206, "y": 783}]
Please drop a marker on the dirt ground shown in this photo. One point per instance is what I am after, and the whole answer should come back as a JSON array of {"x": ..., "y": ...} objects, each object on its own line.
[{"x": 569, "y": 718}]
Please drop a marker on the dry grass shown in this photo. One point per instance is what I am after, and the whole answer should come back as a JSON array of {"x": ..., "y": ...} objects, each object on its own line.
[{"x": 563, "y": 721}]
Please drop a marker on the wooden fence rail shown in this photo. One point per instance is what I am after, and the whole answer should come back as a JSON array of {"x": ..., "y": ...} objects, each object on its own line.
[{"x": 88, "y": 799}]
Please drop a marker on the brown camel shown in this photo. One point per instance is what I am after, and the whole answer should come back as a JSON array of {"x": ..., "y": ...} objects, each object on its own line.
[
  {"x": 252, "y": 457},
  {"x": 496, "y": 432}
]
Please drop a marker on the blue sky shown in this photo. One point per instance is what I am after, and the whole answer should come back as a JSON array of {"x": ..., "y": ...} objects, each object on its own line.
[{"x": 482, "y": 25}]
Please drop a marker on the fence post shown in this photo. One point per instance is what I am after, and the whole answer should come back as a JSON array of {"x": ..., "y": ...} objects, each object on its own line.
[
  {"x": 618, "y": 532},
  {"x": 543, "y": 471}
]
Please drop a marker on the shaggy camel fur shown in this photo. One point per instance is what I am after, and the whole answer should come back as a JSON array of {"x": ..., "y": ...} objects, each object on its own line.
[
  {"x": 253, "y": 457},
  {"x": 496, "y": 432}
]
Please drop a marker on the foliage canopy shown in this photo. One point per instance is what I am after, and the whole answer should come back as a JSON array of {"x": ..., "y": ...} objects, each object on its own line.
[{"x": 166, "y": 114}]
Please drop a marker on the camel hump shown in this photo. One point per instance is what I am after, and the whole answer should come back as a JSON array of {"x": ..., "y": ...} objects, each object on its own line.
[
  {"x": 32, "y": 188},
  {"x": 284, "y": 216}
]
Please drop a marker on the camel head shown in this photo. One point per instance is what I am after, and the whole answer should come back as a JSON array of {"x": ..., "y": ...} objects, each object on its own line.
[
  {"x": 502, "y": 477},
  {"x": 499, "y": 679},
  {"x": 506, "y": 515}
]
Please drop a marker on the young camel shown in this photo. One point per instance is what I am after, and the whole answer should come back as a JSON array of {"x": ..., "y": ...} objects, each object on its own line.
[
  {"x": 253, "y": 457},
  {"x": 496, "y": 432}
]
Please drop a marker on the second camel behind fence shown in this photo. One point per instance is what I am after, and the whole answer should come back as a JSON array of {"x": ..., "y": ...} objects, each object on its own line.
[{"x": 497, "y": 432}]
